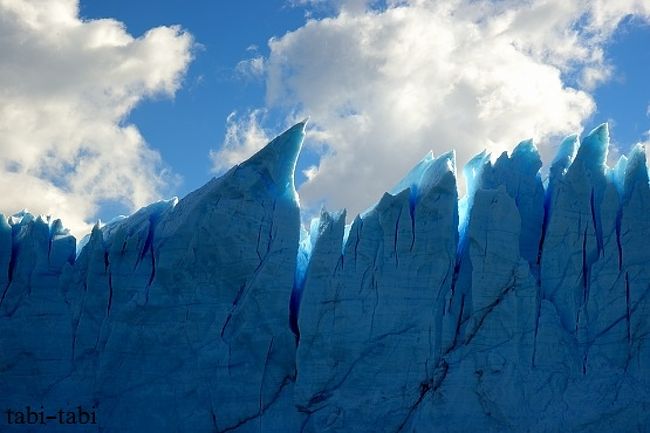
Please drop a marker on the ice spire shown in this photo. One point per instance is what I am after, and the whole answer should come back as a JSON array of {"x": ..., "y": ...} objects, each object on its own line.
[
  {"x": 277, "y": 160},
  {"x": 593, "y": 148}
]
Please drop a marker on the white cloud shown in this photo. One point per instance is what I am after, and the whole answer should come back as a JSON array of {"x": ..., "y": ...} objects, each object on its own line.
[
  {"x": 66, "y": 87},
  {"x": 252, "y": 68},
  {"x": 383, "y": 86},
  {"x": 243, "y": 138}
]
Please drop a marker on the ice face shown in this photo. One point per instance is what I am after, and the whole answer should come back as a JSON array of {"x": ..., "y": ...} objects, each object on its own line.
[
  {"x": 471, "y": 172},
  {"x": 519, "y": 176},
  {"x": 574, "y": 234},
  {"x": 308, "y": 239},
  {"x": 369, "y": 318},
  {"x": 521, "y": 307},
  {"x": 181, "y": 308}
]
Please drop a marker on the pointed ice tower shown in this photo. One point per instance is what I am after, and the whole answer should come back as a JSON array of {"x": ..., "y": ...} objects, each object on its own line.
[
  {"x": 635, "y": 263},
  {"x": 184, "y": 306},
  {"x": 370, "y": 318},
  {"x": 574, "y": 234}
]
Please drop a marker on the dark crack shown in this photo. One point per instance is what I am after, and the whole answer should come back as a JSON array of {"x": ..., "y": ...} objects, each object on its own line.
[{"x": 286, "y": 381}]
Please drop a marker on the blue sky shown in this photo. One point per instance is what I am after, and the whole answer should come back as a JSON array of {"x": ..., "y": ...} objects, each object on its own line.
[
  {"x": 184, "y": 129},
  {"x": 624, "y": 100},
  {"x": 121, "y": 103}
]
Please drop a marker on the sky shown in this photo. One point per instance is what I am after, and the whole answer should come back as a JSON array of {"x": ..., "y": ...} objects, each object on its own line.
[{"x": 108, "y": 106}]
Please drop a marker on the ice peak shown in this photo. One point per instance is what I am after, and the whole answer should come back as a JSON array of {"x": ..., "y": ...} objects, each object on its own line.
[
  {"x": 593, "y": 148},
  {"x": 425, "y": 175},
  {"x": 278, "y": 158},
  {"x": 524, "y": 158},
  {"x": 565, "y": 155},
  {"x": 526, "y": 150},
  {"x": 438, "y": 168},
  {"x": 636, "y": 170},
  {"x": 447, "y": 160},
  {"x": 414, "y": 176},
  {"x": 473, "y": 169},
  {"x": 617, "y": 174},
  {"x": 601, "y": 131}
]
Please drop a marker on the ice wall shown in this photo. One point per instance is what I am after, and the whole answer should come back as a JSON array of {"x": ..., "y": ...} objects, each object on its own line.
[
  {"x": 370, "y": 317},
  {"x": 520, "y": 307}
]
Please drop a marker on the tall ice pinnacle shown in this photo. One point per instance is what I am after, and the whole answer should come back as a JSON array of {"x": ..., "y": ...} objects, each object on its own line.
[
  {"x": 593, "y": 148},
  {"x": 277, "y": 160}
]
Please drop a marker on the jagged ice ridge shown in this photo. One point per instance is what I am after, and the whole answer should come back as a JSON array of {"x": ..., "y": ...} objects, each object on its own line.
[{"x": 521, "y": 307}]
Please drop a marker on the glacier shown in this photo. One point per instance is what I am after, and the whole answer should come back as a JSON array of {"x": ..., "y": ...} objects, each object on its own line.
[{"x": 520, "y": 307}]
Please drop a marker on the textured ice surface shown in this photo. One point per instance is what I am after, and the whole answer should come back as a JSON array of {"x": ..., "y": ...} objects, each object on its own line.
[
  {"x": 523, "y": 306},
  {"x": 370, "y": 318}
]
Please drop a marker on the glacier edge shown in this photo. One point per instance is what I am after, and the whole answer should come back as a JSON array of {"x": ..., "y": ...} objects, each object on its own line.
[{"x": 521, "y": 307}]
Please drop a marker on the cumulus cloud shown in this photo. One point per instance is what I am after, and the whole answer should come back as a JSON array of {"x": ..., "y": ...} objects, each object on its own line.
[
  {"x": 252, "y": 68},
  {"x": 67, "y": 86},
  {"x": 244, "y": 137},
  {"x": 383, "y": 85}
]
